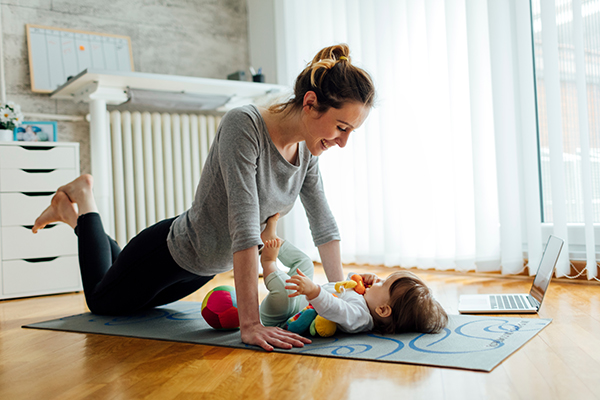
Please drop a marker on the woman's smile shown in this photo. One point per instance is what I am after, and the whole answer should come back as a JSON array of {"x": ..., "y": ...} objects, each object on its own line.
[{"x": 333, "y": 127}]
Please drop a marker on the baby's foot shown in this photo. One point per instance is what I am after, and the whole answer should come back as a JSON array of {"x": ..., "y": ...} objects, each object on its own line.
[
  {"x": 270, "y": 232},
  {"x": 268, "y": 258},
  {"x": 60, "y": 210},
  {"x": 270, "y": 250}
]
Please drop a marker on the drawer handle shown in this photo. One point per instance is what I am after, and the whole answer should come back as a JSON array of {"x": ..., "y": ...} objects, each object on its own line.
[
  {"x": 46, "y": 227},
  {"x": 39, "y": 260},
  {"x": 36, "y": 194},
  {"x": 38, "y": 171},
  {"x": 36, "y": 148}
]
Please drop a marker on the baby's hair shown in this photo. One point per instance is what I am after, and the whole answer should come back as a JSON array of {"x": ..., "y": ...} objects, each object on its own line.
[
  {"x": 413, "y": 308},
  {"x": 334, "y": 79}
]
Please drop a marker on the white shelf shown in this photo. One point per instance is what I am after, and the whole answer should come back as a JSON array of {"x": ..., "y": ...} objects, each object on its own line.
[{"x": 112, "y": 86}]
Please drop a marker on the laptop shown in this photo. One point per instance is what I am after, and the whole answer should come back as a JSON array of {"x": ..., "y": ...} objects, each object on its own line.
[{"x": 517, "y": 303}]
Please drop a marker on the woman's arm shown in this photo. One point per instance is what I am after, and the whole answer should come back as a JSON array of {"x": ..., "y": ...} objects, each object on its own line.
[
  {"x": 323, "y": 227},
  {"x": 332, "y": 260},
  {"x": 245, "y": 273}
]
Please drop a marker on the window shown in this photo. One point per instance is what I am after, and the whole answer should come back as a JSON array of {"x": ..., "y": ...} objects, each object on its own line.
[{"x": 574, "y": 33}]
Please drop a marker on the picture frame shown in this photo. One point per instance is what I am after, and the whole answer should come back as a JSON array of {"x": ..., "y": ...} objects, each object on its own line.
[{"x": 35, "y": 131}]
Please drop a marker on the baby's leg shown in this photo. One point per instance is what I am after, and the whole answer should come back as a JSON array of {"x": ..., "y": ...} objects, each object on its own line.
[
  {"x": 277, "y": 307},
  {"x": 289, "y": 255},
  {"x": 274, "y": 307},
  {"x": 295, "y": 260}
]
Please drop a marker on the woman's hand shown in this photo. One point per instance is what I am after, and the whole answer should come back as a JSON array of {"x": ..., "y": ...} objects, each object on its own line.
[
  {"x": 270, "y": 337},
  {"x": 302, "y": 285}
]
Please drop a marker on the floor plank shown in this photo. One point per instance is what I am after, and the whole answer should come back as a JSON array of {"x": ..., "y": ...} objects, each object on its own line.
[{"x": 561, "y": 362}]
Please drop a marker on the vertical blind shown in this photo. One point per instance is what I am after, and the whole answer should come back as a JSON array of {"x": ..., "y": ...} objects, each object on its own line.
[
  {"x": 567, "y": 65},
  {"x": 444, "y": 173}
]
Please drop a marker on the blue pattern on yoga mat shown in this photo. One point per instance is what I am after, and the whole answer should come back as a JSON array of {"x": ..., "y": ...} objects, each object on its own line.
[{"x": 468, "y": 342}]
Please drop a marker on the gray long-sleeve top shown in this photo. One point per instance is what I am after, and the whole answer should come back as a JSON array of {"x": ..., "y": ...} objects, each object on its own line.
[{"x": 245, "y": 180}]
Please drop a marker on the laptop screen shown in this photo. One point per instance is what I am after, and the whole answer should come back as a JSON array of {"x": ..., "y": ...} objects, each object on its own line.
[{"x": 546, "y": 268}]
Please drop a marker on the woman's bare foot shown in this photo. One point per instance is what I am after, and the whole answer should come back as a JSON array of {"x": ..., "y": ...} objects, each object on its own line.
[
  {"x": 80, "y": 189},
  {"x": 268, "y": 258},
  {"x": 71, "y": 200},
  {"x": 60, "y": 210},
  {"x": 270, "y": 232}
]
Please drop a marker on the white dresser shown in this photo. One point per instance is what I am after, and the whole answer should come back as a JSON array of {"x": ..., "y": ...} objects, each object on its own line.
[{"x": 46, "y": 262}]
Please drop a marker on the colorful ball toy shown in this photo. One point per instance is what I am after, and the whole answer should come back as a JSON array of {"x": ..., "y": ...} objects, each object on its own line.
[{"x": 219, "y": 308}]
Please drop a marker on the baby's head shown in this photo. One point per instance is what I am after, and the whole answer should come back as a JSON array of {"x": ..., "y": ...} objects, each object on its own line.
[{"x": 403, "y": 303}]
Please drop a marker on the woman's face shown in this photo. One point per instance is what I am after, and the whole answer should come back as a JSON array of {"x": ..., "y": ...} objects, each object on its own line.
[{"x": 333, "y": 127}]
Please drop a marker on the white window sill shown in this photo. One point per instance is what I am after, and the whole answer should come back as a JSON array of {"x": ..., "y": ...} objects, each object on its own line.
[{"x": 576, "y": 240}]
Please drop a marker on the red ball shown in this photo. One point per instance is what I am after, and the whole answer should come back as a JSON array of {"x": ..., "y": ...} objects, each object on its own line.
[{"x": 219, "y": 308}]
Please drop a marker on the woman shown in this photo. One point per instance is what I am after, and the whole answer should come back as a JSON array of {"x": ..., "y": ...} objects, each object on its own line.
[{"x": 260, "y": 162}]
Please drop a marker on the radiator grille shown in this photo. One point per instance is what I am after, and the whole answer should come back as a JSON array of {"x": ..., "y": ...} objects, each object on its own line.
[{"x": 156, "y": 164}]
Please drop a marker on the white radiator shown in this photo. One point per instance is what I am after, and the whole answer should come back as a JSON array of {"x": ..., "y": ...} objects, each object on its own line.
[{"x": 156, "y": 164}]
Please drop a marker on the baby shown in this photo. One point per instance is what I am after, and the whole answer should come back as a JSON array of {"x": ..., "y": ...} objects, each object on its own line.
[{"x": 400, "y": 303}]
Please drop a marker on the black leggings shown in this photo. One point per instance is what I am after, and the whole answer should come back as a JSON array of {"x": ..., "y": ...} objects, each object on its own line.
[{"x": 143, "y": 275}]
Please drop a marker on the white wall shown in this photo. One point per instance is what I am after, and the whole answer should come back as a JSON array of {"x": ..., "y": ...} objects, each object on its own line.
[{"x": 261, "y": 38}]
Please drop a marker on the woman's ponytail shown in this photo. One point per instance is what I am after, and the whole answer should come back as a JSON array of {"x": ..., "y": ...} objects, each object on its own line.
[{"x": 334, "y": 79}]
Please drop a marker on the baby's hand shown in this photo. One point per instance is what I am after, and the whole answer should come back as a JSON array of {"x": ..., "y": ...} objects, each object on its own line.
[
  {"x": 369, "y": 279},
  {"x": 302, "y": 285}
]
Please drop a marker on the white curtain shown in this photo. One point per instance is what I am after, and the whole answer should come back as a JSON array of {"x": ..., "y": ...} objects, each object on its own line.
[
  {"x": 443, "y": 174},
  {"x": 566, "y": 36}
]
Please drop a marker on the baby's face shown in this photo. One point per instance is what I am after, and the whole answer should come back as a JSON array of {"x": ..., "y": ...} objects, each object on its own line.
[{"x": 379, "y": 294}]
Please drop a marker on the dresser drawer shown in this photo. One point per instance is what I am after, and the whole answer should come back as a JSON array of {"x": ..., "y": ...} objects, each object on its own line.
[
  {"x": 37, "y": 157},
  {"x": 19, "y": 242},
  {"x": 22, "y": 209},
  {"x": 17, "y": 180},
  {"x": 20, "y": 277}
]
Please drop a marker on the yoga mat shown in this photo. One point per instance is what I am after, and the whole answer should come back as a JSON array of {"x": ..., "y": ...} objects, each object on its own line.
[{"x": 468, "y": 342}]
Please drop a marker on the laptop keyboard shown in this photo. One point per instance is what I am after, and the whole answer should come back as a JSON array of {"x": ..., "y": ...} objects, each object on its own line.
[{"x": 509, "y": 302}]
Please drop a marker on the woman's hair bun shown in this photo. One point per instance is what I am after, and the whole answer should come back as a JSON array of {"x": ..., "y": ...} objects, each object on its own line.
[{"x": 334, "y": 79}]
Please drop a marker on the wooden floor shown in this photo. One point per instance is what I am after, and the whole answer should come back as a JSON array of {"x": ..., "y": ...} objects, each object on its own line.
[{"x": 562, "y": 362}]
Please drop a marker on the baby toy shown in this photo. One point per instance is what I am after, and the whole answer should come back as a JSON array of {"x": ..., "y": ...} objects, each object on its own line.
[
  {"x": 309, "y": 320},
  {"x": 356, "y": 282},
  {"x": 219, "y": 308},
  {"x": 322, "y": 327},
  {"x": 301, "y": 322}
]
